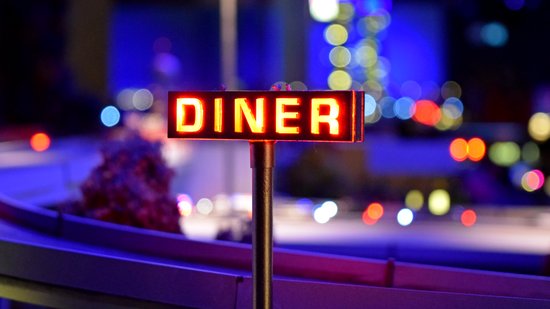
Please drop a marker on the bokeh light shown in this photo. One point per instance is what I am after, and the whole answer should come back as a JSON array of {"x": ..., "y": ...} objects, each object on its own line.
[
  {"x": 532, "y": 180},
  {"x": 366, "y": 56},
  {"x": 387, "y": 107},
  {"x": 404, "y": 108},
  {"x": 331, "y": 208},
  {"x": 430, "y": 90},
  {"x": 336, "y": 34},
  {"x": 142, "y": 99},
  {"x": 110, "y": 116},
  {"x": 205, "y": 206},
  {"x": 326, "y": 211},
  {"x": 426, "y": 112},
  {"x": 323, "y": 10},
  {"x": 124, "y": 99},
  {"x": 339, "y": 80},
  {"x": 411, "y": 89},
  {"x": 405, "y": 217},
  {"x": 40, "y": 142},
  {"x": 346, "y": 11},
  {"x": 373, "y": 88},
  {"x": 547, "y": 186},
  {"x": 530, "y": 152},
  {"x": 459, "y": 149},
  {"x": 370, "y": 105},
  {"x": 504, "y": 153},
  {"x": 320, "y": 215},
  {"x": 494, "y": 34},
  {"x": 375, "y": 211},
  {"x": 414, "y": 199},
  {"x": 539, "y": 127},
  {"x": 516, "y": 172},
  {"x": 453, "y": 106},
  {"x": 374, "y": 117},
  {"x": 372, "y": 213},
  {"x": 468, "y": 217},
  {"x": 167, "y": 64},
  {"x": 447, "y": 121},
  {"x": 298, "y": 85},
  {"x": 185, "y": 205},
  {"x": 451, "y": 89},
  {"x": 476, "y": 149},
  {"x": 439, "y": 202},
  {"x": 339, "y": 56}
]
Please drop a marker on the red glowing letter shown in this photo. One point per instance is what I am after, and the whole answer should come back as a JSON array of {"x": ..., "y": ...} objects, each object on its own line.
[
  {"x": 182, "y": 117},
  {"x": 256, "y": 123},
  {"x": 281, "y": 115},
  {"x": 331, "y": 118}
]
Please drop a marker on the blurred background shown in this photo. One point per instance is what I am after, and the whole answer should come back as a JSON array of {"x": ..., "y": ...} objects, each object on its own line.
[{"x": 457, "y": 115}]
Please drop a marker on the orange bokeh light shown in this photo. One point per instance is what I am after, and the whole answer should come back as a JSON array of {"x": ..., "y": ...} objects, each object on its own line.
[
  {"x": 40, "y": 142},
  {"x": 468, "y": 218},
  {"x": 367, "y": 219},
  {"x": 459, "y": 149},
  {"x": 427, "y": 112},
  {"x": 375, "y": 211},
  {"x": 476, "y": 149}
]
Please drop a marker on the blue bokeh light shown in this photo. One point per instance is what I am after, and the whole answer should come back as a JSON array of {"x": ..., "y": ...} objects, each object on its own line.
[
  {"x": 370, "y": 105},
  {"x": 404, "y": 108},
  {"x": 494, "y": 34},
  {"x": 110, "y": 116}
]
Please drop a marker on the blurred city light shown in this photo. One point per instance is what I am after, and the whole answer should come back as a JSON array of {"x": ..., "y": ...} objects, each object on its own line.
[
  {"x": 516, "y": 172},
  {"x": 451, "y": 89},
  {"x": 532, "y": 180},
  {"x": 414, "y": 199},
  {"x": 404, "y": 108},
  {"x": 205, "y": 206},
  {"x": 411, "y": 89},
  {"x": 370, "y": 105},
  {"x": 504, "y": 153},
  {"x": 494, "y": 34},
  {"x": 346, "y": 11},
  {"x": 110, "y": 116},
  {"x": 339, "y": 56},
  {"x": 453, "y": 106},
  {"x": 326, "y": 211},
  {"x": 323, "y": 10},
  {"x": 468, "y": 217},
  {"x": 405, "y": 217},
  {"x": 459, "y": 149},
  {"x": 387, "y": 105},
  {"x": 336, "y": 34},
  {"x": 539, "y": 127},
  {"x": 530, "y": 152},
  {"x": 40, "y": 142},
  {"x": 124, "y": 99},
  {"x": 339, "y": 80},
  {"x": 142, "y": 99},
  {"x": 476, "y": 149},
  {"x": 473, "y": 149},
  {"x": 427, "y": 112},
  {"x": 185, "y": 205},
  {"x": 439, "y": 202}
]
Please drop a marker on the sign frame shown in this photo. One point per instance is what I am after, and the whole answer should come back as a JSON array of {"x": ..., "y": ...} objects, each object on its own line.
[{"x": 235, "y": 115}]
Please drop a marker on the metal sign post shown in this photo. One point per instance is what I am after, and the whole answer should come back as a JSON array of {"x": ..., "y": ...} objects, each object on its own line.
[{"x": 262, "y": 159}]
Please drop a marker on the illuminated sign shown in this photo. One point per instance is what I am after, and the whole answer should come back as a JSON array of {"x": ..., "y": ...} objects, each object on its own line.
[{"x": 332, "y": 116}]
